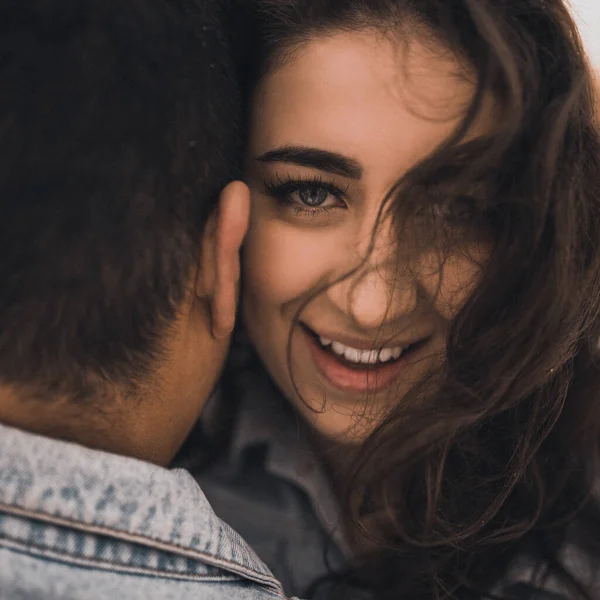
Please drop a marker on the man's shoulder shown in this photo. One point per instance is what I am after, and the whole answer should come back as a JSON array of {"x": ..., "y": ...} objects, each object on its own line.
[{"x": 71, "y": 518}]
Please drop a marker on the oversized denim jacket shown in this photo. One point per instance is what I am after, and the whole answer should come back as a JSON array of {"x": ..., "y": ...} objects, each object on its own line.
[{"x": 82, "y": 524}]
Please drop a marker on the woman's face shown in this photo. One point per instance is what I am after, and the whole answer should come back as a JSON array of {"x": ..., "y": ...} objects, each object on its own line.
[{"x": 332, "y": 132}]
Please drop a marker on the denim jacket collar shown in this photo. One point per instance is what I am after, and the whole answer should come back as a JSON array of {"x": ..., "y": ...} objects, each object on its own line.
[{"x": 121, "y": 498}]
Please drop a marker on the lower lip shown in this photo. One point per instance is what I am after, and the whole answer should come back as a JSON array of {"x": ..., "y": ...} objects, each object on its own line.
[{"x": 372, "y": 379}]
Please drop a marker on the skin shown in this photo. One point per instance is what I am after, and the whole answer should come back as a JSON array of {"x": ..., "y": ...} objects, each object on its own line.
[
  {"x": 597, "y": 94},
  {"x": 153, "y": 426},
  {"x": 386, "y": 106}
]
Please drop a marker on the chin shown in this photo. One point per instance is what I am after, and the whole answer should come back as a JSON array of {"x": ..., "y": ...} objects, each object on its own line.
[{"x": 334, "y": 423}]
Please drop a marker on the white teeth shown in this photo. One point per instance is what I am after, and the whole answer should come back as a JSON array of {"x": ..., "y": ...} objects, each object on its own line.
[
  {"x": 369, "y": 357},
  {"x": 385, "y": 354},
  {"x": 397, "y": 352},
  {"x": 338, "y": 348},
  {"x": 352, "y": 354}
]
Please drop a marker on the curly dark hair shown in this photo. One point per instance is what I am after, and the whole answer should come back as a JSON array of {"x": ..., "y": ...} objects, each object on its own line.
[{"x": 503, "y": 451}]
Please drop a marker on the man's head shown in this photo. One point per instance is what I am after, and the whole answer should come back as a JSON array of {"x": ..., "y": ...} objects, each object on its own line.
[{"x": 118, "y": 269}]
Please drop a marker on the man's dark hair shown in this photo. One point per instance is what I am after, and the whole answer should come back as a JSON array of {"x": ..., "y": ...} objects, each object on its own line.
[{"x": 118, "y": 128}]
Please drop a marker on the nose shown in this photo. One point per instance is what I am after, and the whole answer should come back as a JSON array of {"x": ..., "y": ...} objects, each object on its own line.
[{"x": 380, "y": 291}]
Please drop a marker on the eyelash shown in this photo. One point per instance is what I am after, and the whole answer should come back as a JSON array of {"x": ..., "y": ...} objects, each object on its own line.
[{"x": 282, "y": 189}]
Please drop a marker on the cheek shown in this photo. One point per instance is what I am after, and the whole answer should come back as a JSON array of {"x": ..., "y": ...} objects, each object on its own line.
[
  {"x": 451, "y": 284},
  {"x": 281, "y": 263}
]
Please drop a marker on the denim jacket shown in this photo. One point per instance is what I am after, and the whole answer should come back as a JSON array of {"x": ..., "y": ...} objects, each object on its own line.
[{"x": 78, "y": 524}]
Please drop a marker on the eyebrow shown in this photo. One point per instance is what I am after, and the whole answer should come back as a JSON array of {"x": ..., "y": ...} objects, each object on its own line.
[{"x": 323, "y": 160}]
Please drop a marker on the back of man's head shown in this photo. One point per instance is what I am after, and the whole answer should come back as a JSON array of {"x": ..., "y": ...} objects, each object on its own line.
[{"x": 117, "y": 131}]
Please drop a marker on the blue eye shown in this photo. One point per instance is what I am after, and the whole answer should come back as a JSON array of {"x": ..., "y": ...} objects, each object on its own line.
[
  {"x": 307, "y": 196},
  {"x": 459, "y": 211},
  {"x": 313, "y": 196}
]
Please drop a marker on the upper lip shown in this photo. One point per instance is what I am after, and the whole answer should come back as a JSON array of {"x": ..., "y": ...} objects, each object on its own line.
[{"x": 361, "y": 344}]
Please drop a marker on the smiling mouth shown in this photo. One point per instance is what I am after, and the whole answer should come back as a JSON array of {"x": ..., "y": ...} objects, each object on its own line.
[
  {"x": 363, "y": 359},
  {"x": 353, "y": 370}
]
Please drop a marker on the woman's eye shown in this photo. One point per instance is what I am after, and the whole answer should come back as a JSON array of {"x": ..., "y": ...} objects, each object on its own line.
[
  {"x": 314, "y": 197},
  {"x": 456, "y": 213},
  {"x": 307, "y": 197}
]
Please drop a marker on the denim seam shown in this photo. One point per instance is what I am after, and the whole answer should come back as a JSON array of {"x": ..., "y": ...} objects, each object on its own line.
[
  {"x": 143, "y": 540},
  {"x": 104, "y": 565}
]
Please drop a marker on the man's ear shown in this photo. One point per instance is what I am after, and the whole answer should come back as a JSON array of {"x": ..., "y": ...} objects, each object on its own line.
[{"x": 225, "y": 233}]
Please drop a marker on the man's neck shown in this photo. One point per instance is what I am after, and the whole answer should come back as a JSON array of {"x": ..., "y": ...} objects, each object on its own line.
[{"x": 61, "y": 419}]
